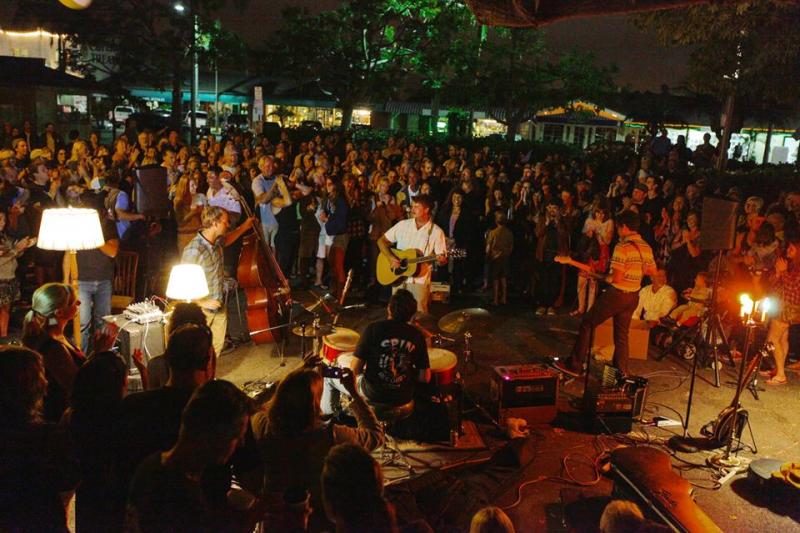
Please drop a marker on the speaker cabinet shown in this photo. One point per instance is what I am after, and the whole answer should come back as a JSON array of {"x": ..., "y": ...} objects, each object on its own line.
[
  {"x": 152, "y": 196},
  {"x": 718, "y": 225}
]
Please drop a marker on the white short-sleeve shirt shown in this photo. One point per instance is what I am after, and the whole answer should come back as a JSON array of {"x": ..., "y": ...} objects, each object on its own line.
[{"x": 429, "y": 239}]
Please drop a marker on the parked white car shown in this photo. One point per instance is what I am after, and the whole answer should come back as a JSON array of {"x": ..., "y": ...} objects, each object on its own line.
[
  {"x": 122, "y": 112},
  {"x": 201, "y": 119}
]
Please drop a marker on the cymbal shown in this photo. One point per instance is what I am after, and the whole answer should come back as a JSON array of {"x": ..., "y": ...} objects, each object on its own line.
[
  {"x": 474, "y": 320},
  {"x": 311, "y": 331}
]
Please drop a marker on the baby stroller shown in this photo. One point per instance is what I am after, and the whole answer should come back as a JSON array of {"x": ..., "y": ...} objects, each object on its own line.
[{"x": 688, "y": 340}]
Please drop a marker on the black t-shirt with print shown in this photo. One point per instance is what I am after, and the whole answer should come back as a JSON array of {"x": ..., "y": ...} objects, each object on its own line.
[{"x": 394, "y": 352}]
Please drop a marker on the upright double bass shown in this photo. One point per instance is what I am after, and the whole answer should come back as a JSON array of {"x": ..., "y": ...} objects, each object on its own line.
[{"x": 266, "y": 288}]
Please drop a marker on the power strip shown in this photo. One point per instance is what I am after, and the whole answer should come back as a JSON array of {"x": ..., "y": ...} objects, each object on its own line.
[{"x": 664, "y": 422}]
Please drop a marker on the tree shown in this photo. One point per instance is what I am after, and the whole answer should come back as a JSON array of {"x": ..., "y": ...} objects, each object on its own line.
[
  {"x": 515, "y": 77},
  {"x": 362, "y": 50},
  {"x": 745, "y": 53},
  {"x": 450, "y": 51},
  {"x": 282, "y": 113},
  {"x": 150, "y": 42}
]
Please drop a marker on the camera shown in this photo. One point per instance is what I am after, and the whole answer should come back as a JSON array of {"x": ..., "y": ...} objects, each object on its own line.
[{"x": 331, "y": 372}]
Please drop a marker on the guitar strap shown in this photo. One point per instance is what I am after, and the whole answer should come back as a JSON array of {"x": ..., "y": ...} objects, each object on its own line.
[{"x": 428, "y": 239}]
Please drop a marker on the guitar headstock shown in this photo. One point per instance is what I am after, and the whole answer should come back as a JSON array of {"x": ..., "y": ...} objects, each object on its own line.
[
  {"x": 563, "y": 259},
  {"x": 457, "y": 253}
]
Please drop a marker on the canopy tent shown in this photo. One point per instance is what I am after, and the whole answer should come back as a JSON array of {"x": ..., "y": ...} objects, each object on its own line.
[{"x": 526, "y": 13}]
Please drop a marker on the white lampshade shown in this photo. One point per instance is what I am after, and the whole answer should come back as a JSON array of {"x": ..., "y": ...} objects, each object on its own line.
[
  {"x": 187, "y": 282},
  {"x": 70, "y": 229}
]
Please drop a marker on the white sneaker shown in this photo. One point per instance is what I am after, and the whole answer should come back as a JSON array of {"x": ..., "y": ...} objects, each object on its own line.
[
  {"x": 541, "y": 311},
  {"x": 551, "y": 311}
]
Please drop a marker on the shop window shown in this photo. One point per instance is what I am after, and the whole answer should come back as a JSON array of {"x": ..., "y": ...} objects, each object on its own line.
[
  {"x": 553, "y": 133},
  {"x": 578, "y": 134},
  {"x": 604, "y": 134},
  {"x": 73, "y": 104}
]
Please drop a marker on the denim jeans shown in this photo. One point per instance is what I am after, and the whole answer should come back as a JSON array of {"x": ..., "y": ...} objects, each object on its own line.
[
  {"x": 612, "y": 303},
  {"x": 95, "y": 297}
]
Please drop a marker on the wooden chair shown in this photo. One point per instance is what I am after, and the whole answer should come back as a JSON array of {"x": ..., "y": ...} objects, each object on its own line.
[{"x": 125, "y": 266}]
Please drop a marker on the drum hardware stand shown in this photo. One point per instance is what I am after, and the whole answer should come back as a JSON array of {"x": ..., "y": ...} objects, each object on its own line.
[
  {"x": 470, "y": 361},
  {"x": 470, "y": 365}
]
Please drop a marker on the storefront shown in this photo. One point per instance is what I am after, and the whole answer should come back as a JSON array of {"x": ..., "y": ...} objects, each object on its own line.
[{"x": 581, "y": 125}]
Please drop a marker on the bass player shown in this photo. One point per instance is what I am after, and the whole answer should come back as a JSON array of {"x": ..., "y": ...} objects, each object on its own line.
[{"x": 419, "y": 233}]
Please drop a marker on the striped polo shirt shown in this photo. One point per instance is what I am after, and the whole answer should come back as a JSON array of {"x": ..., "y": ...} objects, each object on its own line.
[{"x": 634, "y": 257}]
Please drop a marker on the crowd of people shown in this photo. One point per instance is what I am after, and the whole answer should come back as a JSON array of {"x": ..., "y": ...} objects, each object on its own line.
[
  {"x": 325, "y": 204},
  {"x": 189, "y": 453},
  {"x": 193, "y": 453}
]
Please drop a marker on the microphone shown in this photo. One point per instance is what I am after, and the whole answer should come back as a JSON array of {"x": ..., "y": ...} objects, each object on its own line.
[{"x": 354, "y": 306}]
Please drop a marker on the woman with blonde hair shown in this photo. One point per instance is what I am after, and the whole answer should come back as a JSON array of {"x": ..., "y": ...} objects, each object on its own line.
[
  {"x": 53, "y": 306},
  {"x": 79, "y": 164},
  {"x": 491, "y": 520},
  {"x": 188, "y": 205}
]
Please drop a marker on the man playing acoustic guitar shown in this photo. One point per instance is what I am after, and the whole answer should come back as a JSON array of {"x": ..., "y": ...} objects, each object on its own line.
[
  {"x": 419, "y": 233},
  {"x": 631, "y": 261}
]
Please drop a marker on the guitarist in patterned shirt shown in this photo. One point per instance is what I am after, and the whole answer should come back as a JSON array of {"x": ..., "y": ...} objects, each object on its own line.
[{"x": 631, "y": 261}]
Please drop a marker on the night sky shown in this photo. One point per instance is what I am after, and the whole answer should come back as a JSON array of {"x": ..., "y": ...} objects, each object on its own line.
[{"x": 614, "y": 39}]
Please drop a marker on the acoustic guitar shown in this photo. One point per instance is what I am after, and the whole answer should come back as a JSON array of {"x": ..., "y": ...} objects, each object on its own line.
[{"x": 410, "y": 260}]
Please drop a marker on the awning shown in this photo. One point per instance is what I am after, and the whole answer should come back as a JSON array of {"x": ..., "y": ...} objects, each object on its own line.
[
  {"x": 527, "y": 13},
  {"x": 202, "y": 96}
]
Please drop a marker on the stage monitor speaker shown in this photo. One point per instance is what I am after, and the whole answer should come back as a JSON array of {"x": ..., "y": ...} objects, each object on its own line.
[
  {"x": 152, "y": 195},
  {"x": 718, "y": 225}
]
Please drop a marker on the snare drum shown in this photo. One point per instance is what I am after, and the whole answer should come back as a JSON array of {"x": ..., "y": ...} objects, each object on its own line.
[
  {"x": 340, "y": 341},
  {"x": 443, "y": 366}
]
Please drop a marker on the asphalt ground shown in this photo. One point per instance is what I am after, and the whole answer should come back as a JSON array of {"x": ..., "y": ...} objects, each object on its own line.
[{"x": 561, "y": 468}]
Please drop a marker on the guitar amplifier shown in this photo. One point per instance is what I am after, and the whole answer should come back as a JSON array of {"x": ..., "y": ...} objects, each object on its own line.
[
  {"x": 528, "y": 391},
  {"x": 149, "y": 338}
]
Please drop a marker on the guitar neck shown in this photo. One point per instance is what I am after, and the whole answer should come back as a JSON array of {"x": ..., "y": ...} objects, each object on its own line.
[{"x": 423, "y": 259}]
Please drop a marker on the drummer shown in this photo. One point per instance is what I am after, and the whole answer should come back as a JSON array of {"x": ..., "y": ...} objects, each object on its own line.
[{"x": 390, "y": 359}]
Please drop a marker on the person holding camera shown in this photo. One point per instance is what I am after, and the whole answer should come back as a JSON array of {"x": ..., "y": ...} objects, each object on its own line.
[{"x": 294, "y": 440}]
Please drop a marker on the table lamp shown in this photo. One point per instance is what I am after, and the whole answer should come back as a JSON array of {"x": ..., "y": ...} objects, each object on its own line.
[
  {"x": 70, "y": 229},
  {"x": 187, "y": 282}
]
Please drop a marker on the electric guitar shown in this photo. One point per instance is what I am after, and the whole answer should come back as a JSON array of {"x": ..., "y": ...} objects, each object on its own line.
[
  {"x": 410, "y": 260},
  {"x": 721, "y": 430},
  {"x": 566, "y": 260}
]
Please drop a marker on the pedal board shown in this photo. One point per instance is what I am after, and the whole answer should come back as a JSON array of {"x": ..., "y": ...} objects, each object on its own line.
[
  {"x": 614, "y": 408},
  {"x": 143, "y": 312}
]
